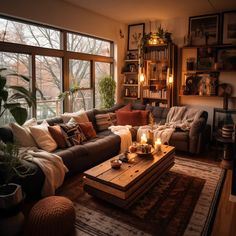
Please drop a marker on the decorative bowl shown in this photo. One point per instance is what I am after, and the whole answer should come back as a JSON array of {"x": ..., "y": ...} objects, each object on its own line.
[{"x": 116, "y": 163}]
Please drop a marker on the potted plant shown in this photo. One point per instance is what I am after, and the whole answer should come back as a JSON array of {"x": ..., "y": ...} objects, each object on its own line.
[
  {"x": 107, "y": 89},
  {"x": 10, "y": 162},
  {"x": 11, "y": 167}
]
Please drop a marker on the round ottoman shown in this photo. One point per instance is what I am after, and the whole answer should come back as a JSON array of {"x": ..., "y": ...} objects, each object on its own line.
[{"x": 52, "y": 215}]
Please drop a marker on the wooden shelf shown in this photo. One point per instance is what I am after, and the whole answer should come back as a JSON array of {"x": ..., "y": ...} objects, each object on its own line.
[
  {"x": 130, "y": 73},
  {"x": 131, "y": 60},
  {"x": 204, "y": 96},
  {"x": 130, "y": 85},
  {"x": 131, "y": 98},
  {"x": 160, "y": 99}
]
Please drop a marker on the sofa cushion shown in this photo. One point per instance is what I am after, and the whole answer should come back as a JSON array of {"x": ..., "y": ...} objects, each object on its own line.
[
  {"x": 57, "y": 135},
  {"x": 22, "y": 134},
  {"x": 88, "y": 130},
  {"x": 127, "y": 107},
  {"x": 134, "y": 118},
  {"x": 72, "y": 133},
  {"x": 138, "y": 106},
  {"x": 103, "y": 121},
  {"x": 159, "y": 114},
  {"x": 79, "y": 116},
  {"x": 42, "y": 137}
]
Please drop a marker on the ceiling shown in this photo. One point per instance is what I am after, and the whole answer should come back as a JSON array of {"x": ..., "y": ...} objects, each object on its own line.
[{"x": 131, "y": 11}]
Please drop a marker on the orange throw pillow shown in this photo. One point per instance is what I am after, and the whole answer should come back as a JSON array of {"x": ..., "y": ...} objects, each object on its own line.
[
  {"x": 88, "y": 130},
  {"x": 57, "y": 135}
]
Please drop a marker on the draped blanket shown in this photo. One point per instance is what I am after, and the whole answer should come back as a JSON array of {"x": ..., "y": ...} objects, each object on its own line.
[
  {"x": 177, "y": 117},
  {"x": 51, "y": 165},
  {"x": 125, "y": 136}
]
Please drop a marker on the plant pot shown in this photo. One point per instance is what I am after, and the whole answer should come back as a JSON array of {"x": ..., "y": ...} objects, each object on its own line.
[{"x": 10, "y": 195}]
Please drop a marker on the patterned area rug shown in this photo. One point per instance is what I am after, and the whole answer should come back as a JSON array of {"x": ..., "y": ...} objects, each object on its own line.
[{"x": 181, "y": 203}]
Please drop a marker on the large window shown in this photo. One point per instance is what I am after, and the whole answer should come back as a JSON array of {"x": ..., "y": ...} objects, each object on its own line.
[
  {"x": 28, "y": 34},
  {"x": 37, "y": 52}
]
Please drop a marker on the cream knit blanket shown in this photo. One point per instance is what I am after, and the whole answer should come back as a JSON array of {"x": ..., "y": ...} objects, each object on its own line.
[
  {"x": 125, "y": 136},
  {"x": 51, "y": 165}
]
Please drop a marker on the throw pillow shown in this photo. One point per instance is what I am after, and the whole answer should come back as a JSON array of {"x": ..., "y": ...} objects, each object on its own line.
[
  {"x": 127, "y": 107},
  {"x": 88, "y": 130},
  {"x": 57, "y": 135},
  {"x": 79, "y": 116},
  {"x": 103, "y": 121},
  {"x": 72, "y": 133},
  {"x": 113, "y": 118},
  {"x": 42, "y": 137},
  {"x": 134, "y": 118},
  {"x": 22, "y": 134}
]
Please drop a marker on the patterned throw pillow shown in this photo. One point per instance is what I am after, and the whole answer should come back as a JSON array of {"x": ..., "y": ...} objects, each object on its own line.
[{"x": 72, "y": 133}]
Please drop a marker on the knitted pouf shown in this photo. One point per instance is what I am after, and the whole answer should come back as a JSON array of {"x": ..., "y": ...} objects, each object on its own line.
[{"x": 52, "y": 215}]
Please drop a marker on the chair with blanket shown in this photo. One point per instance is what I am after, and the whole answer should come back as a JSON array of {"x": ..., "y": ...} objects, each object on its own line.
[{"x": 191, "y": 133}]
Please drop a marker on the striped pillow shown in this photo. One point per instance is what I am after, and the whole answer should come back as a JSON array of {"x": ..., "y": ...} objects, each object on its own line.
[{"x": 103, "y": 121}]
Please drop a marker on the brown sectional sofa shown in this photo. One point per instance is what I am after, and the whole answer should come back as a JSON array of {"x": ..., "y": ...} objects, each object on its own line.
[{"x": 106, "y": 145}]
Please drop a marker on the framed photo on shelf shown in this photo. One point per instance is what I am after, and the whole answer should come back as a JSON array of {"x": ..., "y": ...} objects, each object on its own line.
[
  {"x": 229, "y": 27},
  {"x": 226, "y": 57},
  {"x": 204, "y": 29},
  {"x": 135, "y": 34}
]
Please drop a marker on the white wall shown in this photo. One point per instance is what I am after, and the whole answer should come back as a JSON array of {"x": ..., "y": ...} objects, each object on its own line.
[
  {"x": 64, "y": 15},
  {"x": 179, "y": 28}
]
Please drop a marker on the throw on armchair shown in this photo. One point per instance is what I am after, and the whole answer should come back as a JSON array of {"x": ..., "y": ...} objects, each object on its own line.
[{"x": 192, "y": 140}]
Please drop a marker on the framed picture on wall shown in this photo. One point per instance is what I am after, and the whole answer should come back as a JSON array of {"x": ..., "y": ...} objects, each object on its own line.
[
  {"x": 135, "y": 34},
  {"x": 204, "y": 29},
  {"x": 229, "y": 27},
  {"x": 226, "y": 58}
]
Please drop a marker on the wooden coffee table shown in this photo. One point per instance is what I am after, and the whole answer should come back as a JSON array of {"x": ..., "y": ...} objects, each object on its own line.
[{"x": 124, "y": 186}]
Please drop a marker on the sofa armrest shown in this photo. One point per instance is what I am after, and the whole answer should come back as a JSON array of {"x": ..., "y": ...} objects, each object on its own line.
[
  {"x": 197, "y": 127},
  {"x": 196, "y": 133}
]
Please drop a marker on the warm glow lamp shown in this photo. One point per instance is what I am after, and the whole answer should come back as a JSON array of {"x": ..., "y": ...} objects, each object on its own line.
[{"x": 141, "y": 78}]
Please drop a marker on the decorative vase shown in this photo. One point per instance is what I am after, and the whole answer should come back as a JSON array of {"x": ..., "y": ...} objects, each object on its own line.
[{"x": 10, "y": 195}]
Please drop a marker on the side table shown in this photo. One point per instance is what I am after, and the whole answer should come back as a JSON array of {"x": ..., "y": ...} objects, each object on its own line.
[{"x": 227, "y": 161}]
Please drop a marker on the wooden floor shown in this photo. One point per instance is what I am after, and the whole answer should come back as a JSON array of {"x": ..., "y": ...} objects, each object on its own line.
[{"x": 225, "y": 219}]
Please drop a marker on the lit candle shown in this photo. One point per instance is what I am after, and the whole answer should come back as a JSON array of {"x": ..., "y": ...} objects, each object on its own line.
[
  {"x": 143, "y": 139},
  {"x": 158, "y": 145}
]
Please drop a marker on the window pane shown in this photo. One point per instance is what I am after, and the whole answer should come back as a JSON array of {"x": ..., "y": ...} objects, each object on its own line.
[
  {"x": 80, "y": 73},
  {"x": 83, "y": 99},
  {"x": 89, "y": 45},
  {"x": 80, "y": 76},
  {"x": 101, "y": 70},
  {"x": 15, "y": 63},
  {"x": 49, "y": 84},
  {"x": 16, "y": 32}
]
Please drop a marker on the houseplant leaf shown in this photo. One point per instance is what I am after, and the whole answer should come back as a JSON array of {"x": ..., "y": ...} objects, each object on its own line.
[{"x": 20, "y": 114}]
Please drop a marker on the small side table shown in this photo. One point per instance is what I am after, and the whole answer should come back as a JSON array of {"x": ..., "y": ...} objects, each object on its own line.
[{"x": 227, "y": 161}]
